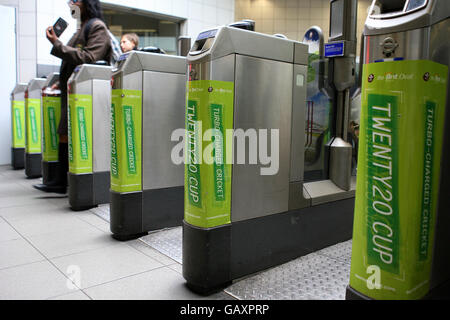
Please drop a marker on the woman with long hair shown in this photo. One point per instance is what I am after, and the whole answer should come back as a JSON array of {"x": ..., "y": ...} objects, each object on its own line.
[{"x": 89, "y": 44}]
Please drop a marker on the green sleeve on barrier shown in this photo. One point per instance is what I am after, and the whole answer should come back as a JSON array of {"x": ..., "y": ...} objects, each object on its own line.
[
  {"x": 34, "y": 138},
  {"x": 126, "y": 141},
  {"x": 401, "y": 140},
  {"x": 51, "y": 110},
  {"x": 80, "y": 134},
  {"x": 18, "y": 124},
  {"x": 208, "y": 173}
]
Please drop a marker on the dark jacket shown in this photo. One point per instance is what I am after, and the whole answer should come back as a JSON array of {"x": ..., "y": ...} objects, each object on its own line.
[{"x": 79, "y": 51}]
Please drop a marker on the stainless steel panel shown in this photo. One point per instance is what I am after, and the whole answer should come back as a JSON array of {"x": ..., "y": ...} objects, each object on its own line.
[
  {"x": 139, "y": 61},
  {"x": 90, "y": 71},
  {"x": 237, "y": 41},
  {"x": 263, "y": 100},
  {"x": 439, "y": 43},
  {"x": 35, "y": 88},
  {"x": 297, "y": 197},
  {"x": 440, "y": 52},
  {"x": 84, "y": 87},
  {"x": 326, "y": 191},
  {"x": 18, "y": 93},
  {"x": 301, "y": 53},
  {"x": 184, "y": 45},
  {"x": 412, "y": 45},
  {"x": 298, "y": 123},
  {"x": 434, "y": 12},
  {"x": 221, "y": 70},
  {"x": 101, "y": 125},
  {"x": 163, "y": 112},
  {"x": 132, "y": 81}
]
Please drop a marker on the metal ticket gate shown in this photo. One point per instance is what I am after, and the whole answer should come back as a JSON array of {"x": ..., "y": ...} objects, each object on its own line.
[
  {"x": 33, "y": 114},
  {"x": 18, "y": 126},
  {"x": 243, "y": 217},
  {"x": 401, "y": 234},
  {"x": 51, "y": 116},
  {"x": 89, "y": 136},
  {"x": 147, "y": 108}
]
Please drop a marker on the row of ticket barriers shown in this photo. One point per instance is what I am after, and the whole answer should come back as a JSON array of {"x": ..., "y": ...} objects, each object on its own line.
[{"x": 138, "y": 135}]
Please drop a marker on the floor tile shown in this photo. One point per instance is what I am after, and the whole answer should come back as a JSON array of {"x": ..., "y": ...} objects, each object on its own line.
[
  {"x": 63, "y": 243},
  {"x": 159, "y": 284},
  {"x": 35, "y": 281},
  {"x": 28, "y": 211},
  {"x": 107, "y": 264},
  {"x": 177, "y": 267},
  {"x": 18, "y": 252},
  {"x": 91, "y": 218},
  {"x": 76, "y": 296},
  {"x": 39, "y": 225},
  {"x": 12, "y": 190},
  {"x": 21, "y": 200},
  {"x": 7, "y": 232}
]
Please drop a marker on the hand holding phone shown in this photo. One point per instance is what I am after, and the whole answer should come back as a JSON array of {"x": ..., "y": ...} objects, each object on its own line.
[{"x": 60, "y": 26}]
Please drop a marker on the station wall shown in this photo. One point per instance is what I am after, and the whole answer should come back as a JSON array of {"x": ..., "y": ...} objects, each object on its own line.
[
  {"x": 293, "y": 17},
  {"x": 33, "y": 16}
]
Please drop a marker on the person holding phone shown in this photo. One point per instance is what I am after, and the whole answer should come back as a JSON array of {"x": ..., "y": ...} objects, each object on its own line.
[{"x": 89, "y": 44}]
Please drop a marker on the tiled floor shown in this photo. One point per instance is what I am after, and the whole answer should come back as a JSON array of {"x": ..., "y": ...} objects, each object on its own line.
[{"x": 48, "y": 251}]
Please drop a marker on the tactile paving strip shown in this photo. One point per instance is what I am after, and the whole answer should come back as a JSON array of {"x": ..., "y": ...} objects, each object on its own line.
[
  {"x": 168, "y": 242},
  {"x": 312, "y": 277},
  {"x": 341, "y": 251},
  {"x": 102, "y": 212}
]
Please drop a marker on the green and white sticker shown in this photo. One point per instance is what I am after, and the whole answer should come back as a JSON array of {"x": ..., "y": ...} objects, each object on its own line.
[
  {"x": 126, "y": 141},
  {"x": 18, "y": 124},
  {"x": 80, "y": 134},
  {"x": 51, "y": 117},
  {"x": 33, "y": 112},
  {"x": 209, "y": 108},
  {"x": 402, "y": 125}
]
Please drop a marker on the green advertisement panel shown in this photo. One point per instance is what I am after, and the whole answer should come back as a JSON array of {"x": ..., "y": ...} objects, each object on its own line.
[
  {"x": 18, "y": 124},
  {"x": 80, "y": 134},
  {"x": 209, "y": 117},
  {"x": 126, "y": 141},
  {"x": 402, "y": 126},
  {"x": 51, "y": 109},
  {"x": 33, "y": 112}
]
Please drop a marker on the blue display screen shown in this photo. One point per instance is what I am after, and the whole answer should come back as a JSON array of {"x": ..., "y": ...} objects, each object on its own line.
[
  {"x": 207, "y": 34},
  {"x": 335, "y": 49},
  {"x": 124, "y": 57},
  {"x": 414, "y": 4}
]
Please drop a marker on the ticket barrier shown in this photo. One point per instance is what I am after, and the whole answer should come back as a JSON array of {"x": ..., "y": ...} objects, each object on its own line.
[
  {"x": 89, "y": 136},
  {"x": 401, "y": 235},
  {"x": 18, "y": 126},
  {"x": 33, "y": 115},
  {"x": 51, "y": 116},
  {"x": 148, "y": 100},
  {"x": 244, "y": 214}
]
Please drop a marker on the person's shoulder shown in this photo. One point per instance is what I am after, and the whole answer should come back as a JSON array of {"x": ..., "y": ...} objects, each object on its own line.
[{"x": 99, "y": 24}]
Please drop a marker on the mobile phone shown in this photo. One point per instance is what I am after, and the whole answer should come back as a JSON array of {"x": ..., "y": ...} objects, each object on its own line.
[{"x": 60, "y": 26}]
